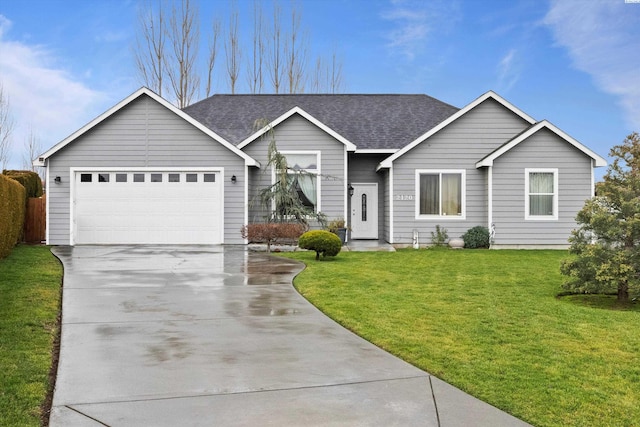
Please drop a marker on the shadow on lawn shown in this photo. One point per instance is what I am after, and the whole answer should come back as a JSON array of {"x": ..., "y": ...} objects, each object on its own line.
[{"x": 604, "y": 302}]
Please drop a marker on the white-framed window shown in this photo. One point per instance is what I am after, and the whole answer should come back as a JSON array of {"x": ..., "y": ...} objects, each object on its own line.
[
  {"x": 440, "y": 194},
  {"x": 303, "y": 168},
  {"x": 541, "y": 194}
]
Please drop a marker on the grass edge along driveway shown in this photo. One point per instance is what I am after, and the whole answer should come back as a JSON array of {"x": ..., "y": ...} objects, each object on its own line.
[
  {"x": 30, "y": 291},
  {"x": 490, "y": 323}
]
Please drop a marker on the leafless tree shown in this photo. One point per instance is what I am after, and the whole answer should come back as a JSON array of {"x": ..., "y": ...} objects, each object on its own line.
[
  {"x": 32, "y": 149},
  {"x": 166, "y": 53},
  {"x": 149, "y": 51},
  {"x": 213, "y": 51},
  {"x": 295, "y": 54},
  {"x": 232, "y": 50},
  {"x": 336, "y": 81},
  {"x": 255, "y": 77},
  {"x": 184, "y": 35},
  {"x": 275, "y": 65},
  {"x": 327, "y": 78},
  {"x": 6, "y": 128}
]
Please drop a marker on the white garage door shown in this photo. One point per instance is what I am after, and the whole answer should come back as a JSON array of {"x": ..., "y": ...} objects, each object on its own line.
[{"x": 148, "y": 207}]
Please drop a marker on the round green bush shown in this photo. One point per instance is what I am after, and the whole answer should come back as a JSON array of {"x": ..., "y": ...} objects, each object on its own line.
[
  {"x": 476, "y": 237},
  {"x": 322, "y": 241}
]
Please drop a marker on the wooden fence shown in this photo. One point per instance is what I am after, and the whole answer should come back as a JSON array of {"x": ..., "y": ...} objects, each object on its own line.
[{"x": 35, "y": 221}]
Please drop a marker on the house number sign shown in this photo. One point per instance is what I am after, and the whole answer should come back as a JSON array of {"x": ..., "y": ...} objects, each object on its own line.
[{"x": 403, "y": 197}]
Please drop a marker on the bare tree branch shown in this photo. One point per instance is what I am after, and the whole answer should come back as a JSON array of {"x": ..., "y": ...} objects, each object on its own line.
[
  {"x": 232, "y": 50},
  {"x": 255, "y": 76},
  {"x": 184, "y": 35},
  {"x": 295, "y": 54},
  {"x": 32, "y": 149},
  {"x": 213, "y": 51},
  {"x": 6, "y": 128},
  {"x": 275, "y": 49},
  {"x": 150, "y": 47}
]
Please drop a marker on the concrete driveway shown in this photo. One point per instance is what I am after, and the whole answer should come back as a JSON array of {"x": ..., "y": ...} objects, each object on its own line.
[{"x": 201, "y": 335}]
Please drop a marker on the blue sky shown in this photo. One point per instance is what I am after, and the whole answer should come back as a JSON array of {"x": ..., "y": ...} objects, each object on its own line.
[{"x": 575, "y": 63}]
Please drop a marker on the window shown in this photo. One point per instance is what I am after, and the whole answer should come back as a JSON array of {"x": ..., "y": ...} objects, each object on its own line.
[
  {"x": 440, "y": 193},
  {"x": 156, "y": 177},
  {"x": 192, "y": 177},
  {"x": 209, "y": 177},
  {"x": 103, "y": 177},
  {"x": 85, "y": 177},
  {"x": 138, "y": 177},
  {"x": 121, "y": 177},
  {"x": 303, "y": 169},
  {"x": 541, "y": 198},
  {"x": 174, "y": 177}
]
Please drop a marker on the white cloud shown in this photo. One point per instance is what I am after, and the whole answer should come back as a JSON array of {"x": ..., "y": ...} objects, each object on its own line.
[
  {"x": 508, "y": 71},
  {"x": 413, "y": 21},
  {"x": 43, "y": 96},
  {"x": 602, "y": 38}
]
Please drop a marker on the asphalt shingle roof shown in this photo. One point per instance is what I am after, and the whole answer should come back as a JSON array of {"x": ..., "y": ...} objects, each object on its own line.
[{"x": 368, "y": 121}]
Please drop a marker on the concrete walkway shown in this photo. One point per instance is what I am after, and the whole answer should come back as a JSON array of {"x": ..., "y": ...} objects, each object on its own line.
[{"x": 199, "y": 335}]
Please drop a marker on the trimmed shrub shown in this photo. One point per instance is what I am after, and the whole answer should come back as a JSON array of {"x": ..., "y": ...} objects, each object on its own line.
[
  {"x": 12, "y": 210},
  {"x": 322, "y": 241},
  {"x": 30, "y": 181},
  {"x": 272, "y": 232},
  {"x": 476, "y": 237}
]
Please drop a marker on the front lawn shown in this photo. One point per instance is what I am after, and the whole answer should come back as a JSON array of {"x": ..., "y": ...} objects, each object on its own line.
[
  {"x": 30, "y": 279},
  {"x": 490, "y": 323}
]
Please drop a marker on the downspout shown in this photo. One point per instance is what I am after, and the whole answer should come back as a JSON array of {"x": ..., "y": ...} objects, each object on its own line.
[
  {"x": 47, "y": 194},
  {"x": 391, "y": 204},
  {"x": 593, "y": 178},
  {"x": 490, "y": 197}
]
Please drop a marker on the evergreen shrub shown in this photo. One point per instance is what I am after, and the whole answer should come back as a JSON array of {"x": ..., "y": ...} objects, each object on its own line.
[
  {"x": 12, "y": 211},
  {"x": 322, "y": 242}
]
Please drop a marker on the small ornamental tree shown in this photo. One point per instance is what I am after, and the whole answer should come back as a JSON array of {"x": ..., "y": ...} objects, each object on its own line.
[{"x": 606, "y": 245}]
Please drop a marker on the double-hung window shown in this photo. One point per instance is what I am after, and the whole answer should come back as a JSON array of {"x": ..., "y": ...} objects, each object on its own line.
[
  {"x": 440, "y": 193},
  {"x": 541, "y": 198},
  {"x": 303, "y": 168}
]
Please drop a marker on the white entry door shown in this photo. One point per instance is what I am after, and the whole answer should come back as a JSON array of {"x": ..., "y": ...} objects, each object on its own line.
[
  {"x": 147, "y": 207},
  {"x": 364, "y": 211}
]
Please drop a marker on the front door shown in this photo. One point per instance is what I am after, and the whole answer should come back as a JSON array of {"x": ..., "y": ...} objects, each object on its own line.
[{"x": 364, "y": 211}]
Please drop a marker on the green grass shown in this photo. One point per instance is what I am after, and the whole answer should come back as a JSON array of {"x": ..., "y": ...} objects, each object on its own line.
[
  {"x": 30, "y": 280},
  {"x": 491, "y": 323}
]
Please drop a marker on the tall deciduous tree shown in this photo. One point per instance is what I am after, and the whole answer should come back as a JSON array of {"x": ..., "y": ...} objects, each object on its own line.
[
  {"x": 255, "y": 74},
  {"x": 32, "y": 148},
  {"x": 232, "y": 50},
  {"x": 184, "y": 36},
  {"x": 149, "y": 51},
  {"x": 6, "y": 128},
  {"x": 606, "y": 245}
]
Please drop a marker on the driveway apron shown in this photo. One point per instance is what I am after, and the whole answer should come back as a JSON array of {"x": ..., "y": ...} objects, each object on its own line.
[{"x": 218, "y": 336}]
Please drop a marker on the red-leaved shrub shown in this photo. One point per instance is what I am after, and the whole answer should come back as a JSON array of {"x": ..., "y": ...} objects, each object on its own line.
[{"x": 273, "y": 232}]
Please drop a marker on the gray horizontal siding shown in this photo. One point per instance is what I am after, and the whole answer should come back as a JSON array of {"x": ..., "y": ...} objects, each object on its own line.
[
  {"x": 542, "y": 150},
  {"x": 298, "y": 134},
  {"x": 458, "y": 146},
  {"x": 144, "y": 134}
]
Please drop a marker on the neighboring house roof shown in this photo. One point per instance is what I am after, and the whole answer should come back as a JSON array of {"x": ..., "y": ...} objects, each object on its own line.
[
  {"x": 249, "y": 161},
  {"x": 531, "y": 130},
  {"x": 370, "y": 122},
  {"x": 386, "y": 163}
]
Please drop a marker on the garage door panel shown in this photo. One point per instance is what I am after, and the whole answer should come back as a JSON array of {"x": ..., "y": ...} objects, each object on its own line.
[{"x": 112, "y": 208}]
